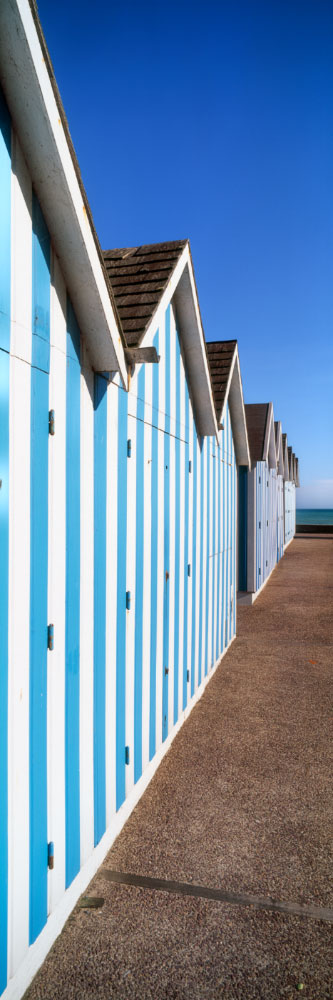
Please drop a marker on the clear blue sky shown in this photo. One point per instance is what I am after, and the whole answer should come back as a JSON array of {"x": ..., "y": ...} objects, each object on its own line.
[{"x": 214, "y": 120}]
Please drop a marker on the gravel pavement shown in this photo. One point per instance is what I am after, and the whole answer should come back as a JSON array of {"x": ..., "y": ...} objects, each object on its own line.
[{"x": 242, "y": 802}]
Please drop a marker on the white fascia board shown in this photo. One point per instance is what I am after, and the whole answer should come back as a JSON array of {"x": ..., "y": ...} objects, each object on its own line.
[
  {"x": 278, "y": 449},
  {"x": 234, "y": 396},
  {"x": 285, "y": 462},
  {"x": 181, "y": 291},
  {"x": 37, "y": 119},
  {"x": 269, "y": 454}
]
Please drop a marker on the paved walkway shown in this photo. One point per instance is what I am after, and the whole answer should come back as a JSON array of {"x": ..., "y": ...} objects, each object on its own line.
[{"x": 242, "y": 803}]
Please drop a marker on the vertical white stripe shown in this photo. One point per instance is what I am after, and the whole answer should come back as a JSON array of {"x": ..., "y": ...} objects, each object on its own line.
[
  {"x": 21, "y": 251},
  {"x": 146, "y": 570},
  {"x": 204, "y": 560},
  {"x": 216, "y": 547},
  {"x": 56, "y": 587},
  {"x": 130, "y": 585},
  {"x": 18, "y": 653},
  {"x": 172, "y": 478},
  {"x": 160, "y": 544},
  {"x": 197, "y": 582},
  {"x": 19, "y": 562},
  {"x": 111, "y": 600},
  {"x": 219, "y": 546},
  {"x": 190, "y": 551},
  {"x": 87, "y": 611}
]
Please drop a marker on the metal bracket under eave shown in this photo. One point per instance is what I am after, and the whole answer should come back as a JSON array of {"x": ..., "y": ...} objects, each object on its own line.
[{"x": 141, "y": 355}]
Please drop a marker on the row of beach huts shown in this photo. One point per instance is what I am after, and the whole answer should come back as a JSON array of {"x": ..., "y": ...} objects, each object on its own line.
[{"x": 138, "y": 497}]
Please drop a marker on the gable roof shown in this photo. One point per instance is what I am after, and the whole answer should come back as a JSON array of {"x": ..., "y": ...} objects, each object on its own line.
[
  {"x": 38, "y": 116},
  {"x": 260, "y": 429},
  {"x": 227, "y": 387},
  {"x": 278, "y": 447},
  {"x": 138, "y": 277},
  {"x": 167, "y": 270},
  {"x": 285, "y": 457},
  {"x": 297, "y": 480},
  {"x": 220, "y": 356},
  {"x": 290, "y": 463}
]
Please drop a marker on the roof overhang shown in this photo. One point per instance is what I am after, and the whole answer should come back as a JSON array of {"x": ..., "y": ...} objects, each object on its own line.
[
  {"x": 181, "y": 291},
  {"x": 297, "y": 481},
  {"x": 38, "y": 117},
  {"x": 285, "y": 458},
  {"x": 234, "y": 397},
  {"x": 269, "y": 452},
  {"x": 278, "y": 448}
]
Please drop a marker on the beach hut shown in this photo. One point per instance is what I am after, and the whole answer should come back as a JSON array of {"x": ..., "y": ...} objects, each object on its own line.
[
  {"x": 289, "y": 496},
  {"x": 118, "y": 494},
  {"x": 261, "y": 503},
  {"x": 280, "y": 473}
]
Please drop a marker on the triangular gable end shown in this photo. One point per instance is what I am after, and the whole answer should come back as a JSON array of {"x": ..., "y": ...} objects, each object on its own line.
[
  {"x": 38, "y": 116},
  {"x": 278, "y": 447},
  {"x": 297, "y": 479},
  {"x": 232, "y": 395},
  {"x": 167, "y": 269},
  {"x": 285, "y": 457},
  {"x": 269, "y": 453}
]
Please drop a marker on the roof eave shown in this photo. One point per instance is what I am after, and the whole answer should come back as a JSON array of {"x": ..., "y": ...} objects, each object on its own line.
[
  {"x": 234, "y": 397},
  {"x": 269, "y": 450},
  {"x": 39, "y": 121}
]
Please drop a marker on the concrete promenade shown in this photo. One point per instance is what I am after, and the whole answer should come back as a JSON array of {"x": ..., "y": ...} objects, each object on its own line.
[{"x": 242, "y": 803}]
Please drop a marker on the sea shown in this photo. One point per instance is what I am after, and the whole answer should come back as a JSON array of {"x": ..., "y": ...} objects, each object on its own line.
[{"x": 314, "y": 516}]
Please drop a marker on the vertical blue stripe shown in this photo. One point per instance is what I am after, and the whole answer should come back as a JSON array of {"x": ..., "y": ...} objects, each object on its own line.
[
  {"x": 5, "y": 284},
  {"x": 165, "y": 686},
  {"x": 202, "y": 563},
  {"x": 208, "y": 469},
  {"x": 194, "y": 557},
  {"x": 38, "y": 650},
  {"x": 72, "y": 628},
  {"x": 177, "y": 534},
  {"x": 140, "y": 413},
  {"x": 214, "y": 559},
  {"x": 186, "y": 512},
  {"x": 153, "y": 556},
  {"x": 227, "y": 603},
  {"x": 39, "y": 571},
  {"x": 121, "y": 598},
  {"x": 219, "y": 515},
  {"x": 100, "y": 493},
  {"x": 41, "y": 252}
]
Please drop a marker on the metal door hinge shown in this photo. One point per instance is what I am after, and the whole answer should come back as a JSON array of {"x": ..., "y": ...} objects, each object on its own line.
[
  {"x": 51, "y": 423},
  {"x": 50, "y": 855},
  {"x": 188, "y": 676},
  {"x": 127, "y": 755},
  {"x": 190, "y": 466},
  {"x": 189, "y": 570},
  {"x": 129, "y": 448},
  {"x": 128, "y": 600},
  {"x": 50, "y": 637}
]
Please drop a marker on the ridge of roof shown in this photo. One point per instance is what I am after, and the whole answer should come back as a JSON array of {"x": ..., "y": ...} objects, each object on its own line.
[{"x": 138, "y": 277}]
